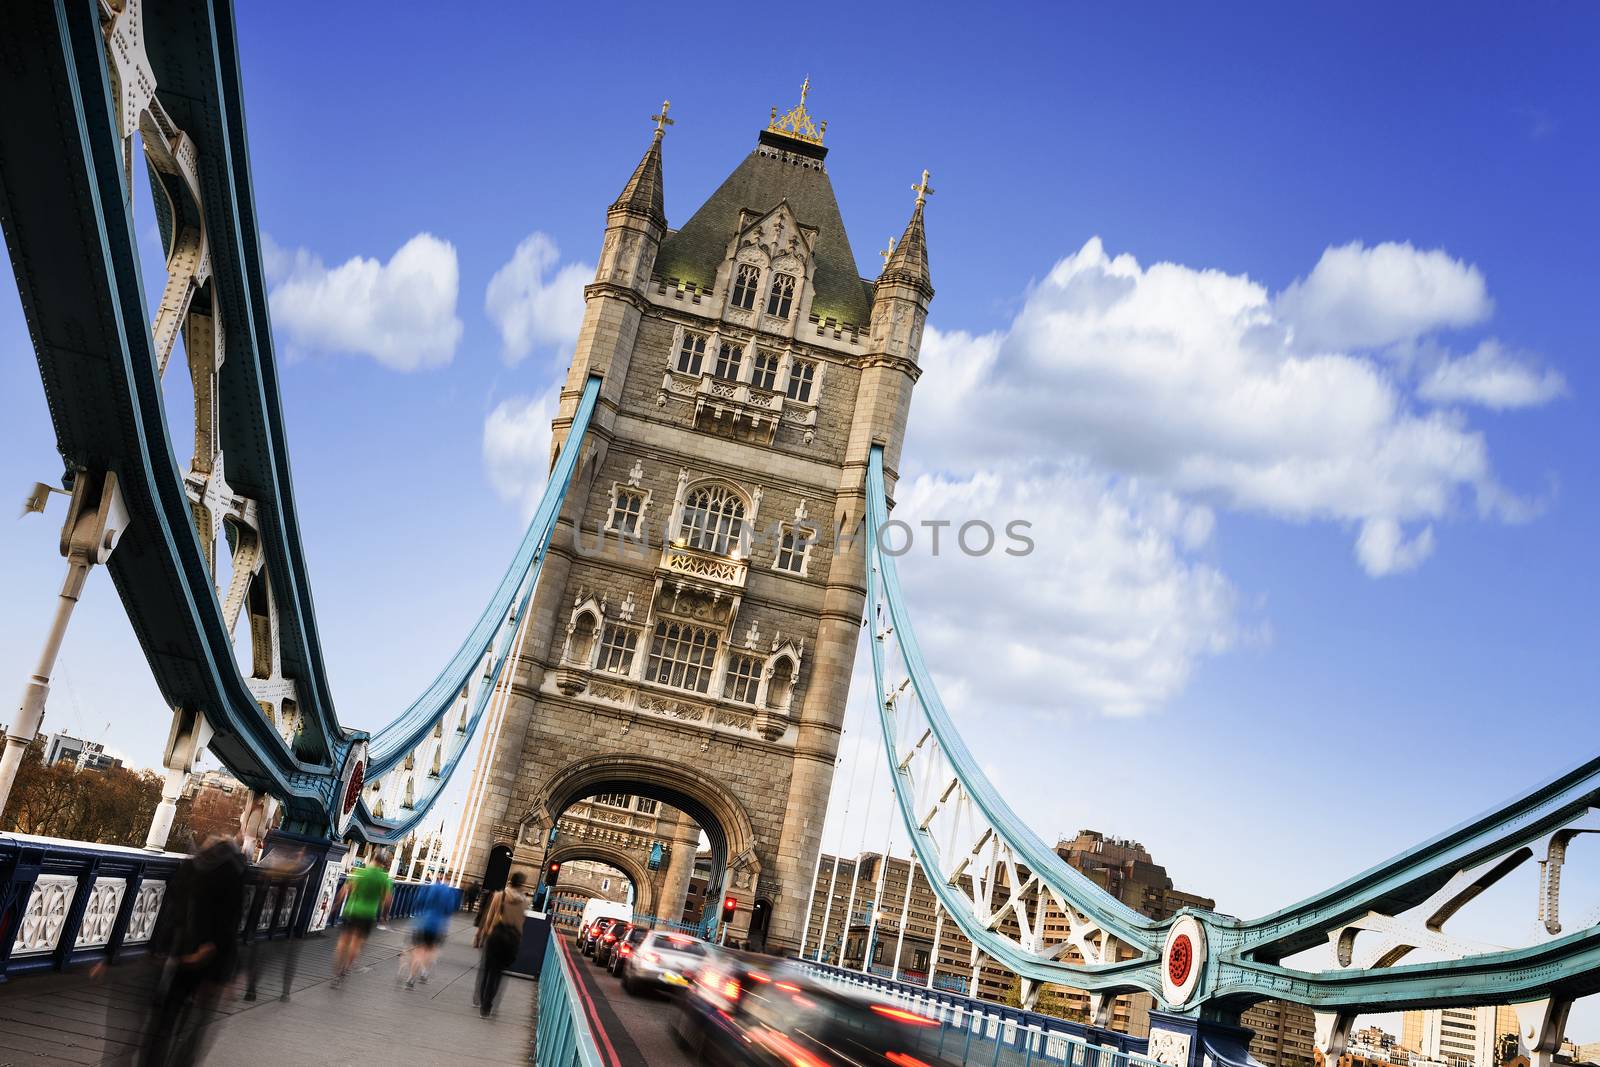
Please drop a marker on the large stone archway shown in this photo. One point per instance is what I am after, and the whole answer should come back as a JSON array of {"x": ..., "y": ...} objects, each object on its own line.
[
  {"x": 735, "y": 861},
  {"x": 644, "y": 887}
]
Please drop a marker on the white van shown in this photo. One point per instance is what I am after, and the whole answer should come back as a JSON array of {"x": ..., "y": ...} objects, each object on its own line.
[{"x": 605, "y": 909}]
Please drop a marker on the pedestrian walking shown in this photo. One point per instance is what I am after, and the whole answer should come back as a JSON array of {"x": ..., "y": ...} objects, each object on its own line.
[
  {"x": 365, "y": 893},
  {"x": 436, "y": 902},
  {"x": 284, "y": 865},
  {"x": 500, "y": 934},
  {"x": 200, "y": 937}
]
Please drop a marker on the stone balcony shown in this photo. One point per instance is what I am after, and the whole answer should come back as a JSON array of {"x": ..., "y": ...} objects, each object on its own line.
[
  {"x": 704, "y": 568},
  {"x": 733, "y": 409}
]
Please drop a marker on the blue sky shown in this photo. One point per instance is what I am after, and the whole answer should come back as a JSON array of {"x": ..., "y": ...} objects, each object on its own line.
[{"x": 1271, "y": 677}]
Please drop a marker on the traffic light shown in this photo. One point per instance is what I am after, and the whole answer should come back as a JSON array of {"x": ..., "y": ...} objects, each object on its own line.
[
  {"x": 551, "y": 873},
  {"x": 729, "y": 906}
]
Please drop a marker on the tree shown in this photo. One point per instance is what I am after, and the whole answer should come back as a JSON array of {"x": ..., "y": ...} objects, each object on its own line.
[{"x": 108, "y": 807}]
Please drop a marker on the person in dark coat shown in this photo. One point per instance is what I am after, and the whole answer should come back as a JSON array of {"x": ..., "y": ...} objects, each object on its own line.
[{"x": 200, "y": 937}]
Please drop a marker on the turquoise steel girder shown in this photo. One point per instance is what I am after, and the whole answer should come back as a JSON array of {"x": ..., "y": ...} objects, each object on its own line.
[
  {"x": 69, "y": 227},
  {"x": 1236, "y": 962}
]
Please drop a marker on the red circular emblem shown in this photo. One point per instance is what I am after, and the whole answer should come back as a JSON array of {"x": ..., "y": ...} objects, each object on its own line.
[
  {"x": 1180, "y": 958},
  {"x": 352, "y": 792}
]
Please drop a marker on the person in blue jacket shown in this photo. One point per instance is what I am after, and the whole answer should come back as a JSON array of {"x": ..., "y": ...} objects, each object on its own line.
[{"x": 436, "y": 902}]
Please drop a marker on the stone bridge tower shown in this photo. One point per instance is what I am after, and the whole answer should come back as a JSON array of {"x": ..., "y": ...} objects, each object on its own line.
[{"x": 697, "y": 620}]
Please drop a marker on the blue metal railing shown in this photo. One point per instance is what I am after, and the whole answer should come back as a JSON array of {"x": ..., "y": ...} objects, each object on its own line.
[
  {"x": 67, "y": 903},
  {"x": 563, "y": 1037}
]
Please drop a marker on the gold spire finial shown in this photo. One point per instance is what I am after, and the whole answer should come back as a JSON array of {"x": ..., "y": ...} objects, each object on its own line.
[
  {"x": 887, "y": 252},
  {"x": 796, "y": 122},
  {"x": 923, "y": 190},
  {"x": 661, "y": 120}
]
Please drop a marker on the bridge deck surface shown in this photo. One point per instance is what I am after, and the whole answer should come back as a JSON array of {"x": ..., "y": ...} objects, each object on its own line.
[{"x": 72, "y": 1019}]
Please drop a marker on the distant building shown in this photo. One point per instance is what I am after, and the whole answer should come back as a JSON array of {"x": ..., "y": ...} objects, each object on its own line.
[
  {"x": 62, "y": 748},
  {"x": 220, "y": 780},
  {"x": 81, "y": 754},
  {"x": 1459, "y": 1037}
]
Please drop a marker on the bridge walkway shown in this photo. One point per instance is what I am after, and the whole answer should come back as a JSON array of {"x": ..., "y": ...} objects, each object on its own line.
[{"x": 74, "y": 1019}]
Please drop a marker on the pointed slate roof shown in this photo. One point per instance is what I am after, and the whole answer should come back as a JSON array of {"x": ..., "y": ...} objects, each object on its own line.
[
  {"x": 642, "y": 194},
  {"x": 780, "y": 168},
  {"x": 909, "y": 261}
]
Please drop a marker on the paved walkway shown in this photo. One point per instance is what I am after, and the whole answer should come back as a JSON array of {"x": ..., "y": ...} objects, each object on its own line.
[{"x": 71, "y": 1019}]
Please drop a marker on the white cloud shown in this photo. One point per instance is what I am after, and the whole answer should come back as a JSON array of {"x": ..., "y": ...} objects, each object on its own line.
[
  {"x": 516, "y": 448},
  {"x": 401, "y": 313},
  {"x": 1188, "y": 378},
  {"x": 530, "y": 309},
  {"x": 1492, "y": 377},
  {"x": 1383, "y": 548},
  {"x": 1107, "y": 614},
  {"x": 1358, "y": 297}
]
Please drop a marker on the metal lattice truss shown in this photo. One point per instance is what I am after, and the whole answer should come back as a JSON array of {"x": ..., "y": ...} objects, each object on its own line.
[
  {"x": 66, "y": 176},
  {"x": 1342, "y": 952}
]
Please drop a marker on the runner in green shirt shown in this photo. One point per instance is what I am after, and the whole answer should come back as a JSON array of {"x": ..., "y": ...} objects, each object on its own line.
[{"x": 367, "y": 890}]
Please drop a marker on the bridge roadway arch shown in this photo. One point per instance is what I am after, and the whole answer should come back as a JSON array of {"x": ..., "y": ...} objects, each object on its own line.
[
  {"x": 644, "y": 887},
  {"x": 734, "y": 840}
]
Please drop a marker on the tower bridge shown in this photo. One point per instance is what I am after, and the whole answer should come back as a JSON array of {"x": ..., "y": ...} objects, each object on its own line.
[{"x": 676, "y": 626}]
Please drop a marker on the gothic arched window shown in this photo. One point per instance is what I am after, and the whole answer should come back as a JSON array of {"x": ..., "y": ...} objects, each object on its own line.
[
  {"x": 745, "y": 281},
  {"x": 682, "y": 656},
  {"x": 781, "y": 297},
  {"x": 713, "y": 519}
]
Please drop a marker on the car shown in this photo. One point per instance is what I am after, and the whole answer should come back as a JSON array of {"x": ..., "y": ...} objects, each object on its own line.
[
  {"x": 746, "y": 1009},
  {"x": 596, "y": 930},
  {"x": 664, "y": 960},
  {"x": 605, "y": 946},
  {"x": 626, "y": 944}
]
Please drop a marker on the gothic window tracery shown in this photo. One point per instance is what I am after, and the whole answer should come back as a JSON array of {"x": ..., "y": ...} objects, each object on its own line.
[
  {"x": 742, "y": 679},
  {"x": 764, "y": 375},
  {"x": 618, "y": 644},
  {"x": 792, "y": 548},
  {"x": 780, "y": 298},
  {"x": 713, "y": 519},
  {"x": 627, "y": 510},
  {"x": 730, "y": 354},
  {"x": 802, "y": 376},
  {"x": 745, "y": 283},
  {"x": 682, "y": 656},
  {"x": 691, "y": 352}
]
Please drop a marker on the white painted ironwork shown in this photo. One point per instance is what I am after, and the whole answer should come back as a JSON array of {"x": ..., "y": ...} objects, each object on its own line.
[
  {"x": 100, "y": 912},
  {"x": 146, "y": 910},
  {"x": 46, "y": 915},
  {"x": 330, "y": 885}
]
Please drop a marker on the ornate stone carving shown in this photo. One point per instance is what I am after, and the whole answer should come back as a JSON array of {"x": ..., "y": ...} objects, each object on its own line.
[
  {"x": 607, "y": 691},
  {"x": 677, "y": 709},
  {"x": 46, "y": 914},
  {"x": 1169, "y": 1047},
  {"x": 739, "y": 720},
  {"x": 697, "y": 564},
  {"x": 100, "y": 912},
  {"x": 571, "y": 680},
  {"x": 146, "y": 910}
]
